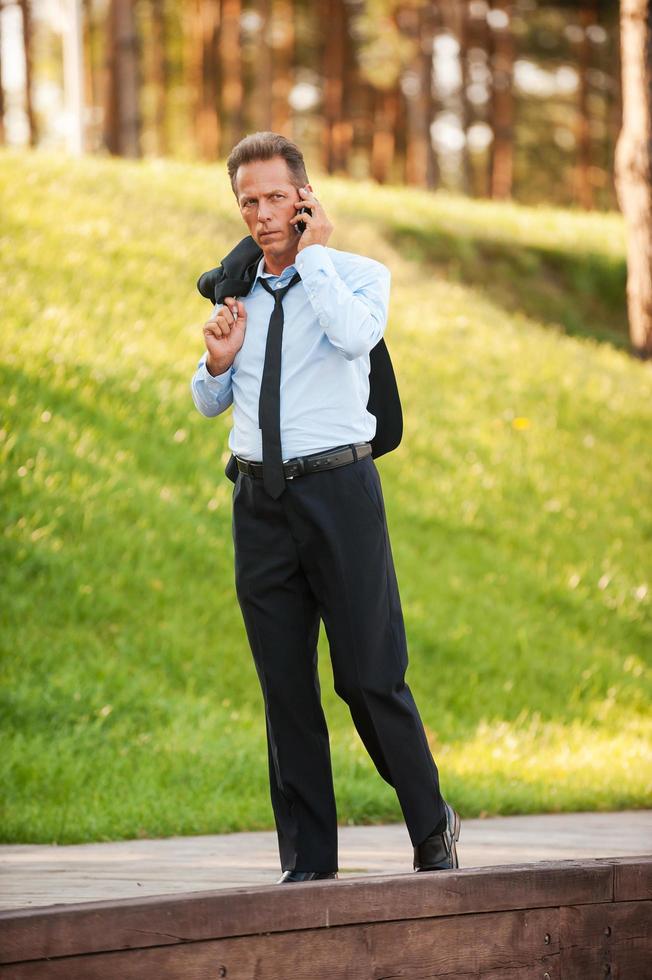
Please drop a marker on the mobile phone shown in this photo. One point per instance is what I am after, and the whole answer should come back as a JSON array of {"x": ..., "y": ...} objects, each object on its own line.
[{"x": 301, "y": 225}]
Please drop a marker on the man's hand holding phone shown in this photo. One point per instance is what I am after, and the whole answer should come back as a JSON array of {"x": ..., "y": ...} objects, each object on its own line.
[
  {"x": 224, "y": 335},
  {"x": 311, "y": 214}
]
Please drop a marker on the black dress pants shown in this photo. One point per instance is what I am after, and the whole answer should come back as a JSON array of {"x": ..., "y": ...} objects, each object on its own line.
[{"x": 322, "y": 551}]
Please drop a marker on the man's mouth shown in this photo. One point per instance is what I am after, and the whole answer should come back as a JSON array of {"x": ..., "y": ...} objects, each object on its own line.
[{"x": 266, "y": 234}]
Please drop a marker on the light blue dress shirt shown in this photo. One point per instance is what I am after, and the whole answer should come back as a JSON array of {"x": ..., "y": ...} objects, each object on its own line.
[{"x": 332, "y": 319}]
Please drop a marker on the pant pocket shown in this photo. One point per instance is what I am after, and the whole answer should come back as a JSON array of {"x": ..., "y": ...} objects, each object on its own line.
[{"x": 362, "y": 470}]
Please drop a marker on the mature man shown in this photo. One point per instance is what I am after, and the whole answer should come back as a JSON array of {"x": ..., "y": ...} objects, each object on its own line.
[{"x": 309, "y": 529}]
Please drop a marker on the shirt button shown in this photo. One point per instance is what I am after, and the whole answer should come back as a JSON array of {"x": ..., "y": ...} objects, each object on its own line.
[{"x": 322, "y": 321}]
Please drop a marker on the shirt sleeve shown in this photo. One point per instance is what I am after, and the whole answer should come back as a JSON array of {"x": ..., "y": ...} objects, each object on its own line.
[
  {"x": 354, "y": 316},
  {"x": 212, "y": 394}
]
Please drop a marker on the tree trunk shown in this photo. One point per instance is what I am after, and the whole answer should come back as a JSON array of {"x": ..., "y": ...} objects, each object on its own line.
[
  {"x": 384, "y": 135},
  {"x": 263, "y": 71},
  {"x": 231, "y": 87},
  {"x": 122, "y": 115},
  {"x": 416, "y": 101},
  {"x": 3, "y": 135},
  {"x": 634, "y": 166},
  {"x": 26, "y": 14},
  {"x": 502, "y": 155},
  {"x": 91, "y": 87},
  {"x": 283, "y": 44},
  {"x": 337, "y": 134},
  {"x": 583, "y": 184},
  {"x": 204, "y": 74},
  {"x": 427, "y": 36},
  {"x": 160, "y": 75},
  {"x": 453, "y": 20},
  {"x": 73, "y": 74}
]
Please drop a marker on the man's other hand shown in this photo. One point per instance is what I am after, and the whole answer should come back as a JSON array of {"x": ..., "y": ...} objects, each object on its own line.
[{"x": 224, "y": 335}]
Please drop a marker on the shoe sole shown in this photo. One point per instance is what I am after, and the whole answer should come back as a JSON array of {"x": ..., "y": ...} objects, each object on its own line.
[{"x": 457, "y": 826}]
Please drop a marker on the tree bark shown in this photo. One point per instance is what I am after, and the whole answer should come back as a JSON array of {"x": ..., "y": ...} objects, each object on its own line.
[
  {"x": 91, "y": 86},
  {"x": 454, "y": 20},
  {"x": 583, "y": 184},
  {"x": 28, "y": 44},
  {"x": 416, "y": 100},
  {"x": 634, "y": 166},
  {"x": 73, "y": 75},
  {"x": 3, "y": 135},
  {"x": 427, "y": 36},
  {"x": 231, "y": 87},
  {"x": 283, "y": 43},
  {"x": 383, "y": 144},
  {"x": 122, "y": 112},
  {"x": 337, "y": 135},
  {"x": 502, "y": 122},
  {"x": 263, "y": 71},
  {"x": 203, "y": 59},
  {"x": 160, "y": 75}
]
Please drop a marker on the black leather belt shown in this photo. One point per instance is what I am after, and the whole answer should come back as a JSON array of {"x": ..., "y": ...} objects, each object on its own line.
[{"x": 299, "y": 465}]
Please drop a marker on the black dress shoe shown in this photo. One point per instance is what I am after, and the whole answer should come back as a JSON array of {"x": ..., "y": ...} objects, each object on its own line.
[
  {"x": 288, "y": 876},
  {"x": 438, "y": 852}
]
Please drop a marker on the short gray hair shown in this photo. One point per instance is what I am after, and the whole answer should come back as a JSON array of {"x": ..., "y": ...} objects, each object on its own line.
[{"x": 265, "y": 146}]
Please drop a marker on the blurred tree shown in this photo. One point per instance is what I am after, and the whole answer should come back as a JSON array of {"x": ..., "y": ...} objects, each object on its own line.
[
  {"x": 28, "y": 45},
  {"x": 427, "y": 37},
  {"x": 231, "y": 76},
  {"x": 384, "y": 132},
  {"x": 159, "y": 74},
  {"x": 337, "y": 126},
  {"x": 203, "y": 68},
  {"x": 122, "y": 119},
  {"x": 263, "y": 78},
  {"x": 74, "y": 78},
  {"x": 411, "y": 20},
  {"x": 392, "y": 59},
  {"x": 502, "y": 99},
  {"x": 283, "y": 36},
  {"x": 426, "y": 92},
  {"x": 477, "y": 85},
  {"x": 91, "y": 87},
  {"x": 454, "y": 21},
  {"x": 3, "y": 137},
  {"x": 583, "y": 183},
  {"x": 634, "y": 166},
  {"x": 380, "y": 51}
]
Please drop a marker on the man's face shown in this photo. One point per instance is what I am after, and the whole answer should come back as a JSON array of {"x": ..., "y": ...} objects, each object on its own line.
[{"x": 266, "y": 197}]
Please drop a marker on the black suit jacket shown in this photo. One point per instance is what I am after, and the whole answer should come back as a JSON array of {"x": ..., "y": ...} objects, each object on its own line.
[{"x": 235, "y": 276}]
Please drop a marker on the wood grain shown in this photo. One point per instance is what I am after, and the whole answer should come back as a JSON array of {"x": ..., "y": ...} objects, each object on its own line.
[
  {"x": 494, "y": 946},
  {"x": 102, "y": 926},
  {"x": 550, "y": 920}
]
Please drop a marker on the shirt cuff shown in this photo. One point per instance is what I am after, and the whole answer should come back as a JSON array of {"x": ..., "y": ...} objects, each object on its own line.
[
  {"x": 314, "y": 258},
  {"x": 212, "y": 381}
]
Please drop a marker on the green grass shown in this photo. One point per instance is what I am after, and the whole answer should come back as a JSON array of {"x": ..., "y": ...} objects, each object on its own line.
[{"x": 518, "y": 506}]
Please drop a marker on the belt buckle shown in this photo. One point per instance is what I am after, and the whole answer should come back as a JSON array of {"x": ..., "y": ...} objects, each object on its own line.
[{"x": 298, "y": 461}]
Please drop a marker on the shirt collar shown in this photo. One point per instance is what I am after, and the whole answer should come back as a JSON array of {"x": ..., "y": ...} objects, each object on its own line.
[{"x": 287, "y": 273}]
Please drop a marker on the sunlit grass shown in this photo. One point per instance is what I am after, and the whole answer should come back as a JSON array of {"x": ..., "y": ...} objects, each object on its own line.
[{"x": 518, "y": 507}]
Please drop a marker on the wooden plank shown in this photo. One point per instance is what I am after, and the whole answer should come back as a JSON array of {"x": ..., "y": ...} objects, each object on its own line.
[
  {"x": 611, "y": 939},
  {"x": 488, "y": 946},
  {"x": 633, "y": 879},
  {"x": 102, "y": 926}
]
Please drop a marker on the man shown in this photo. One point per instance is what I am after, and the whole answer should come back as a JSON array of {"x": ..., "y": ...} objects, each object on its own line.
[{"x": 309, "y": 528}]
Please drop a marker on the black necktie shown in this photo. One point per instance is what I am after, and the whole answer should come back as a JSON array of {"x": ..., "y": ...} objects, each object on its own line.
[{"x": 269, "y": 405}]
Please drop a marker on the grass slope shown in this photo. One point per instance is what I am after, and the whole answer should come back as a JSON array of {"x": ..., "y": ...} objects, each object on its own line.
[{"x": 518, "y": 507}]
